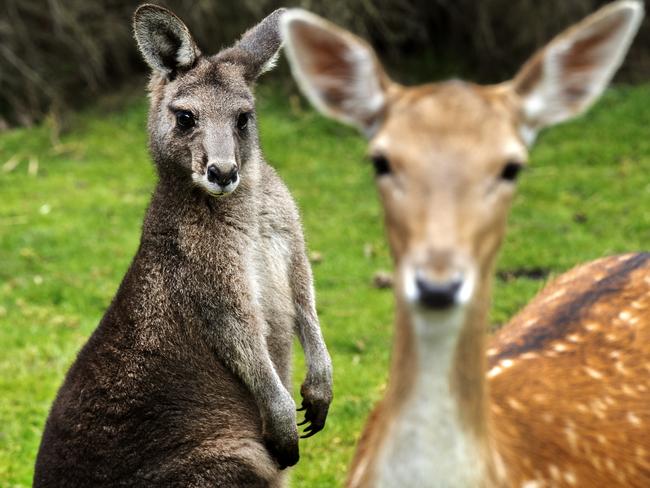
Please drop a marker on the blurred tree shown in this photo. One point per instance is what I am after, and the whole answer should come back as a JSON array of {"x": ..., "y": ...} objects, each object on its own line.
[{"x": 56, "y": 54}]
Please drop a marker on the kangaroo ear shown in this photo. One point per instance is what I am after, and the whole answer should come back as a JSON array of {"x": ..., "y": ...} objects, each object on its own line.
[
  {"x": 164, "y": 41},
  {"x": 338, "y": 72},
  {"x": 567, "y": 76},
  {"x": 262, "y": 44}
]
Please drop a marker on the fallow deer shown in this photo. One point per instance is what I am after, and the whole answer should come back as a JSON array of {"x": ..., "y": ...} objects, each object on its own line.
[
  {"x": 562, "y": 397},
  {"x": 187, "y": 379}
]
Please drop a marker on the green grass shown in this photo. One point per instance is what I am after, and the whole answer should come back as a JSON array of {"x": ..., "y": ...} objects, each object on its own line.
[{"x": 67, "y": 235}]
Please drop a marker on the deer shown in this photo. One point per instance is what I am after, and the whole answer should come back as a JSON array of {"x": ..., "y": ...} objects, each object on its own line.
[
  {"x": 560, "y": 396},
  {"x": 187, "y": 379}
]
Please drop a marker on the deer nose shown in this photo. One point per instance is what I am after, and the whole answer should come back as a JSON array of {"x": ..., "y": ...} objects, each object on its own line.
[
  {"x": 223, "y": 178},
  {"x": 438, "y": 295}
]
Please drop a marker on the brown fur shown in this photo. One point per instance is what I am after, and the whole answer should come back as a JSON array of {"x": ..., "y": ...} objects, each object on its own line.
[
  {"x": 186, "y": 381},
  {"x": 578, "y": 382}
]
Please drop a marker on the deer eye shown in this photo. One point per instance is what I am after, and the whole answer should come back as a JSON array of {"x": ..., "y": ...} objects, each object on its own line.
[
  {"x": 381, "y": 165},
  {"x": 511, "y": 170},
  {"x": 242, "y": 121},
  {"x": 185, "y": 119}
]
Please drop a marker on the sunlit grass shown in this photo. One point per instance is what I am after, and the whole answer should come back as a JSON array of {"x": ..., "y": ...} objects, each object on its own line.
[{"x": 69, "y": 228}]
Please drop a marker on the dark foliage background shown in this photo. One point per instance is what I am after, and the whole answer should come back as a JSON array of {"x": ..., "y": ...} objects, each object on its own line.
[{"x": 57, "y": 54}]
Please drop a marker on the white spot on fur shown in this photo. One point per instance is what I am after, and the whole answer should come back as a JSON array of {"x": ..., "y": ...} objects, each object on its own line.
[
  {"x": 570, "y": 478},
  {"x": 554, "y": 296},
  {"x": 628, "y": 390},
  {"x": 595, "y": 374},
  {"x": 571, "y": 437},
  {"x": 560, "y": 347},
  {"x": 637, "y": 305},
  {"x": 540, "y": 397},
  {"x": 530, "y": 322},
  {"x": 598, "y": 408},
  {"x": 633, "y": 419},
  {"x": 529, "y": 355},
  {"x": 595, "y": 460},
  {"x": 496, "y": 370},
  {"x": 609, "y": 400},
  {"x": 532, "y": 484},
  {"x": 575, "y": 338},
  {"x": 592, "y": 326},
  {"x": 620, "y": 367},
  {"x": 515, "y": 404},
  {"x": 611, "y": 465}
]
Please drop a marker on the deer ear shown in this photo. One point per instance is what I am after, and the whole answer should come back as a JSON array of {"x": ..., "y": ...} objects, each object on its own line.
[
  {"x": 164, "y": 41},
  {"x": 567, "y": 76},
  {"x": 338, "y": 72},
  {"x": 262, "y": 44}
]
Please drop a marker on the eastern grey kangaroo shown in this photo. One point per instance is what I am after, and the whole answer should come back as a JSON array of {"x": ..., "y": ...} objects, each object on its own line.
[{"x": 186, "y": 381}]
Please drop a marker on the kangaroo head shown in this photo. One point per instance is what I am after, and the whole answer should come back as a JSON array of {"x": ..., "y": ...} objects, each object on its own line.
[{"x": 202, "y": 122}]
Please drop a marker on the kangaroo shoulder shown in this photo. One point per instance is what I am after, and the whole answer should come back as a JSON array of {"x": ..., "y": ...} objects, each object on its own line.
[{"x": 277, "y": 202}]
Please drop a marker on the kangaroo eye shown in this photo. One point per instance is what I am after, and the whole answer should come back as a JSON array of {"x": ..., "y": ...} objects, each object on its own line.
[
  {"x": 381, "y": 164},
  {"x": 511, "y": 171},
  {"x": 185, "y": 119},
  {"x": 242, "y": 120}
]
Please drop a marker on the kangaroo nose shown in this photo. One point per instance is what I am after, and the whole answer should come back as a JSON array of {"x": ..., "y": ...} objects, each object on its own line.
[
  {"x": 223, "y": 178},
  {"x": 438, "y": 295}
]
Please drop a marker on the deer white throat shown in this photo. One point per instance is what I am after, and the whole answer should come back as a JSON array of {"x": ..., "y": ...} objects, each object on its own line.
[{"x": 429, "y": 446}]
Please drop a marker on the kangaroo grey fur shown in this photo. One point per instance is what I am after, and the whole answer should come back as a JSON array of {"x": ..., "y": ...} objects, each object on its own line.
[{"x": 186, "y": 381}]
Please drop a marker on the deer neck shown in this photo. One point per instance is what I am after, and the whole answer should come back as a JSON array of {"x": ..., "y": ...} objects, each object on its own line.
[{"x": 436, "y": 399}]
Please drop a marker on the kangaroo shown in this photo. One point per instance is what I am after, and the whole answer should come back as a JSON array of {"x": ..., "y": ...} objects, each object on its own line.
[{"x": 186, "y": 381}]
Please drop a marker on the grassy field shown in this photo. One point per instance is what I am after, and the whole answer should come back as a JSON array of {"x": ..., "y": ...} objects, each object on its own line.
[{"x": 70, "y": 215}]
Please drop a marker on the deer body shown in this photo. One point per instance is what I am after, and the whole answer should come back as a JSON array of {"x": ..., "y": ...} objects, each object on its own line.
[
  {"x": 546, "y": 403},
  {"x": 587, "y": 333},
  {"x": 571, "y": 338},
  {"x": 186, "y": 381}
]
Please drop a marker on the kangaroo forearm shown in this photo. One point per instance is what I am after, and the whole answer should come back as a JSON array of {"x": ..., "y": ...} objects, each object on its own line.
[
  {"x": 307, "y": 325},
  {"x": 243, "y": 350},
  {"x": 311, "y": 339}
]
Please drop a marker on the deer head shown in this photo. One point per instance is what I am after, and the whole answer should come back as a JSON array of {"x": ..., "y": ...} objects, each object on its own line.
[{"x": 447, "y": 155}]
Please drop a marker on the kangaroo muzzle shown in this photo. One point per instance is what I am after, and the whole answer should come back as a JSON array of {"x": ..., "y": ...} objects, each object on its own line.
[{"x": 220, "y": 177}]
